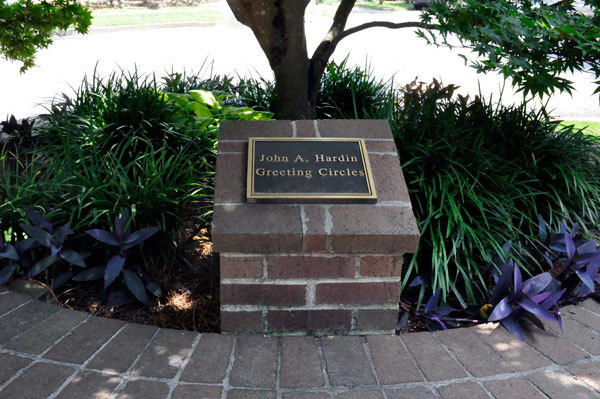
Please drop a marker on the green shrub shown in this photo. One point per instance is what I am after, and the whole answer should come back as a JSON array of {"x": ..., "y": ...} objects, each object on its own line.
[
  {"x": 118, "y": 144},
  {"x": 479, "y": 175},
  {"x": 352, "y": 93}
]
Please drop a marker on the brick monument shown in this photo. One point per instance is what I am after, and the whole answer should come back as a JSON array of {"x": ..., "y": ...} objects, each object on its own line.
[{"x": 311, "y": 266}]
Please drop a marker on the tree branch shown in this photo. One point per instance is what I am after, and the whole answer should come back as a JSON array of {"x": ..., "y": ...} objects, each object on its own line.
[{"x": 383, "y": 24}]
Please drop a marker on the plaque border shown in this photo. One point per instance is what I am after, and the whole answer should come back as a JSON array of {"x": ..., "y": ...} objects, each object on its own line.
[{"x": 251, "y": 195}]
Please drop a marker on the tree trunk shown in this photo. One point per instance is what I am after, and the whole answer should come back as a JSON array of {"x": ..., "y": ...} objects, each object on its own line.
[{"x": 279, "y": 29}]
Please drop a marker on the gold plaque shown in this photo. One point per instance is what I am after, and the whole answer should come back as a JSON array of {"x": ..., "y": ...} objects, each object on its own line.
[{"x": 290, "y": 169}]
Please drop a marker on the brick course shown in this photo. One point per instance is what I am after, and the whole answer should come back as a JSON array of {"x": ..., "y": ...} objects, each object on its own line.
[{"x": 311, "y": 268}]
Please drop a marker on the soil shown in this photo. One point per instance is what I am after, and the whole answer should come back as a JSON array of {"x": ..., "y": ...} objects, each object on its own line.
[{"x": 190, "y": 285}]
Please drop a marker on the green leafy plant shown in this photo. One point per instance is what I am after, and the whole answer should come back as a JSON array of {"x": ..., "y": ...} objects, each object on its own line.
[
  {"x": 479, "y": 175},
  {"x": 28, "y": 26}
]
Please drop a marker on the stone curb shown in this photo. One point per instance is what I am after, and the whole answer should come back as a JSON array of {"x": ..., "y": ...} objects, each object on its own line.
[{"x": 48, "y": 352}]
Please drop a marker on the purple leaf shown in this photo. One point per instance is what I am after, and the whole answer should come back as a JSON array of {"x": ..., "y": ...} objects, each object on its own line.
[
  {"x": 574, "y": 230},
  {"x": 432, "y": 302},
  {"x": 113, "y": 269},
  {"x": 563, "y": 228},
  {"x": 403, "y": 321},
  {"x": 61, "y": 280},
  {"x": 137, "y": 237},
  {"x": 153, "y": 287},
  {"x": 42, "y": 265},
  {"x": 72, "y": 257},
  {"x": 61, "y": 234},
  {"x": 501, "y": 311},
  {"x": 6, "y": 273},
  {"x": 553, "y": 299},
  {"x": 586, "y": 246},
  {"x": 541, "y": 297},
  {"x": 441, "y": 323},
  {"x": 512, "y": 326},
  {"x": 534, "y": 308},
  {"x": 95, "y": 273},
  {"x": 133, "y": 282},
  {"x": 54, "y": 250},
  {"x": 416, "y": 282},
  {"x": 570, "y": 246},
  {"x": 9, "y": 253},
  {"x": 518, "y": 279},
  {"x": 38, "y": 220},
  {"x": 536, "y": 284},
  {"x": 585, "y": 279},
  {"x": 501, "y": 288},
  {"x": 104, "y": 236},
  {"x": 588, "y": 257},
  {"x": 37, "y": 234},
  {"x": 507, "y": 246},
  {"x": 25, "y": 245}
]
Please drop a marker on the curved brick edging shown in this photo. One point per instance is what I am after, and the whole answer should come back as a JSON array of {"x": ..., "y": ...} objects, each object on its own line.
[{"x": 49, "y": 352}]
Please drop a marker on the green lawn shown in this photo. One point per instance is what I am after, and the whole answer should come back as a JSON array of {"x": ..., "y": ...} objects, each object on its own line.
[
  {"x": 144, "y": 16},
  {"x": 398, "y": 5},
  {"x": 590, "y": 127}
]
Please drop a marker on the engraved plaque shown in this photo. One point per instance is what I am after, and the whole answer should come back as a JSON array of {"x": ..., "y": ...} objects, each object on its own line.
[{"x": 304, "y": 170}]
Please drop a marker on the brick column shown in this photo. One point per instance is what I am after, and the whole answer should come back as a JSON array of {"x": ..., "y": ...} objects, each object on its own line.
[{"x": 312, "y": 268}]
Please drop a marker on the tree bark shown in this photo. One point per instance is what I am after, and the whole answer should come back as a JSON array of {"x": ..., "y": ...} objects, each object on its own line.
[{"x": 279, "y": 28}]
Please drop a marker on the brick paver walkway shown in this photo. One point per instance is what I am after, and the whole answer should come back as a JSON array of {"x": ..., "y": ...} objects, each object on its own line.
[{"x": 49, "y": 352}]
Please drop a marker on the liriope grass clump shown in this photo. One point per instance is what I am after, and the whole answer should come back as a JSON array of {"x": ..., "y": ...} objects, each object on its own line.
[{"x": 480, "y": 174}]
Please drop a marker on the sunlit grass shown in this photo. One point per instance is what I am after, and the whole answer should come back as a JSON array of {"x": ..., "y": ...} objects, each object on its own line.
[
  {"x": 387, "y": 5},
  {"x": 588, "y": 127},
  {"x": 146, "y": 16}
]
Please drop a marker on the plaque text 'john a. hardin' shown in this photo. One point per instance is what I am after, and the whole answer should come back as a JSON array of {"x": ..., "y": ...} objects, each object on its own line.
[{"x": 309, "y": 170}]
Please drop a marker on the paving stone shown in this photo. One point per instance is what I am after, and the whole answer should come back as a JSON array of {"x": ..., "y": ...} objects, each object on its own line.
[
  {"x": 347, "y": 362},
  {"x": 255, "y": 362},
  {"x": 90, "y": 385},
  {"x": 589, "y": 373},
  {"x": 250, "y": 394},
  {"x": 10, "y": 365},
  {"x": 306, "y": 395},
  {"x": 577, "y": 333},
  {"x": 24, "y": 318},
  {"x": 557, "y": 348},
  {"x": 469, "y": 390},
  {"x": 38, "y": 381},
  {"x": 197, "y": 392},
  {"x": 85, "y": 340},
  {"x": 517, "y": 353},
  {"x": 362, "y": 394},
  {"x": 512, "y": 388},
  {"x": 144, "y": 390},
  {"x": 474, "y": 353},
  {"x": 591, "y": 305},
  {"x": 45, "y": 334},
  {"x": 122, "y": 351},
  {"x": 410, "y": 393},
  {"x": 210, "y": 359},
  {"x": 584, "y": 316},
  {"x": 11, "y": 300},
  {"x": 432, "y": 359},
  {"x": 560, "y": 385},
  {"x": 165, "y": 355},
  {"x": 392, "y": 363},
  {"x": 300, "y": 365}
]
